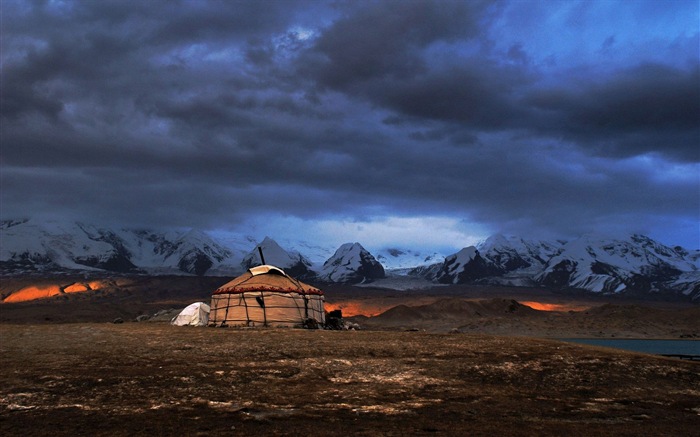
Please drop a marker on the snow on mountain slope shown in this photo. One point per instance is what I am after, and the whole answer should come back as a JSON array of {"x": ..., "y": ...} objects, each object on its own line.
[
  {"x": 293, "y": 263},
  {"x": 601, "y": 264},
  {"x": 688, "y": 283},
  {"x": 693, "y": 256},
  {"x": 351, "y": 263},
  {"x": 192, "y": 251},
  {"x": 510, "y": 253},
  {"x": 593, "y": 263},
  {"x": 504, "y": 260},
  {"x": 403, "y": 259},
  {"x": 455, "y": 264},
  {"x": 313, "y": 253},
  {"x": 513, "y": 261},
  {"x": 465, "y": 266},
  {"x": 52, "y": 246}
]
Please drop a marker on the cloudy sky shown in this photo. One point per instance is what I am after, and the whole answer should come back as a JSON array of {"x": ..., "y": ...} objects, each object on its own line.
[{"x": 405, "y": 123}]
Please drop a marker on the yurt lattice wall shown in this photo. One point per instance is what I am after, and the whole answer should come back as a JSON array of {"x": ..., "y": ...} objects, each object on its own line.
[{"x": 266, "y": 296}]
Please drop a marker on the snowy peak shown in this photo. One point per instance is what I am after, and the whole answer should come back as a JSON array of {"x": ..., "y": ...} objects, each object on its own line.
[
  {"x": 196, "y": 252},
  {"x": 351, "y": 263},
  {"x": 635, "y": 254},
  {"x": 464, "y": 256},
  {"x": 601, "y": 264},
  {"x": 54, "y": 246},
  {"x": 465, "y": 266},
  {"x": 191, "y": 251},
  {"x": 635, "y": 264},
  {"x": 293, "y": 263},
  {"x": 514, "y": 253},
  {"x": 42, "y": 247}
]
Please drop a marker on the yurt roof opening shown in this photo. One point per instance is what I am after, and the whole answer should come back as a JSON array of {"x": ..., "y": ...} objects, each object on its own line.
[{"x": 267, "y": 296}]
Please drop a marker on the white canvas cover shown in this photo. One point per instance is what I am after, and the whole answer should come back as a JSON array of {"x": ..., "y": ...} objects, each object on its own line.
[{"x": 196, "y": 314}]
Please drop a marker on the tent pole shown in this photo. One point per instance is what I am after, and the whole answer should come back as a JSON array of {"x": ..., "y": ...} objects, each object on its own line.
[
  {"x": 262, "y": 297},
  {"x": 245, "y": 305},
  {"x": 228, "y": 304}
]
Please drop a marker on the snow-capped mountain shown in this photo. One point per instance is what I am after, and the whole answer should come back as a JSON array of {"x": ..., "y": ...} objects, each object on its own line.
[
  {"x": 351, "y": 263},
  {"x": 28, "y": 246},
  {"x": 467, "y": 265},
  {"x": 633, "y": 264},
  {"x": 192, "y": 251},
  {"x": 517, "y": 260},
  {"x": 608, "y": 265},
  {"x": 293, "y": 263},
  {"x": 57, "y": 247},
  {"x": 510, "y": 253},
  {"x": 636, "y": 264}
]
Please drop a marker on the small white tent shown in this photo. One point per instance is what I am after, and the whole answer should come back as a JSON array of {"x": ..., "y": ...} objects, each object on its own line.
[{"x": 196, "y": 314}]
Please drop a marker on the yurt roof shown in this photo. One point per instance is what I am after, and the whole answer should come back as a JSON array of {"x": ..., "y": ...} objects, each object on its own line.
[{"x": 266, "y": 278}]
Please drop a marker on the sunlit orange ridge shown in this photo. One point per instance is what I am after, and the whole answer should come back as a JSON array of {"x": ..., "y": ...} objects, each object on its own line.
[
  {"x": 355, "y": 308},
  {"x": 542, "y": 306},
  {"x": 34, "y": 292}
]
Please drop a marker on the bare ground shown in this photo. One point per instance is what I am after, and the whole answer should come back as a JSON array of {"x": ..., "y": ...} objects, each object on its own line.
[
  {"x": 155, "y": 379},
  {"x": 66, "y": 370}
]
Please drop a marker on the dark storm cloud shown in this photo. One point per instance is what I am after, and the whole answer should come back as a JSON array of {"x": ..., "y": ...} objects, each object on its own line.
[
  {"x": 206, "y": 114},
  {"x": 648, "y": 108},
  {"x": 477, "y": 97},
  {"x": 383, "y": 54},
  {"x": 384, "y": 39}
]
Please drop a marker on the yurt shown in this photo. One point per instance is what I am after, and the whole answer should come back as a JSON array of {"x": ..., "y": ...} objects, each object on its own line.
[
  {"x": 266, "y": 296},
  {"x": 196, "y": 314}
]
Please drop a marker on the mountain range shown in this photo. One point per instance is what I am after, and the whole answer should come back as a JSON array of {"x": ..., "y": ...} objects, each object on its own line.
[{"x": 601, "y": 264}]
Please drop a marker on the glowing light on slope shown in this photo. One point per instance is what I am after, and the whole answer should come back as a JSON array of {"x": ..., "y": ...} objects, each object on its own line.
[
  {"x": 33, "y": 292},
  {"x": 76, "y": 288},
  {"x": 356, "y": 308},
  {"x": 542, "y": 306}
]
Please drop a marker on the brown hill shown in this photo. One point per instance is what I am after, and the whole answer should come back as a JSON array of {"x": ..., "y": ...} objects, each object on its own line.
[
  {"x": 455, "y": 309},
  {"x": 507, "y": 316}
]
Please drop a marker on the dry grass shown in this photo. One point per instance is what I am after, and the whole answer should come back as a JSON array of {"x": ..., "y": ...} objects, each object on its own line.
[{"x": 155, "y": 379}]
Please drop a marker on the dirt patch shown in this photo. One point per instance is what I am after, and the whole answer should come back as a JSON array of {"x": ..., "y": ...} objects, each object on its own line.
[{"x": 156, "y": 379}]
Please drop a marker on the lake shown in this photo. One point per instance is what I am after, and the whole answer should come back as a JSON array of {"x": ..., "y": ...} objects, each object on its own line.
[{"x": 658, "y": 347}]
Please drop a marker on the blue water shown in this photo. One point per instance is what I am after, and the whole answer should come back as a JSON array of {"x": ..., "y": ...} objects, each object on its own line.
[{"x": 685, "y": 347}]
